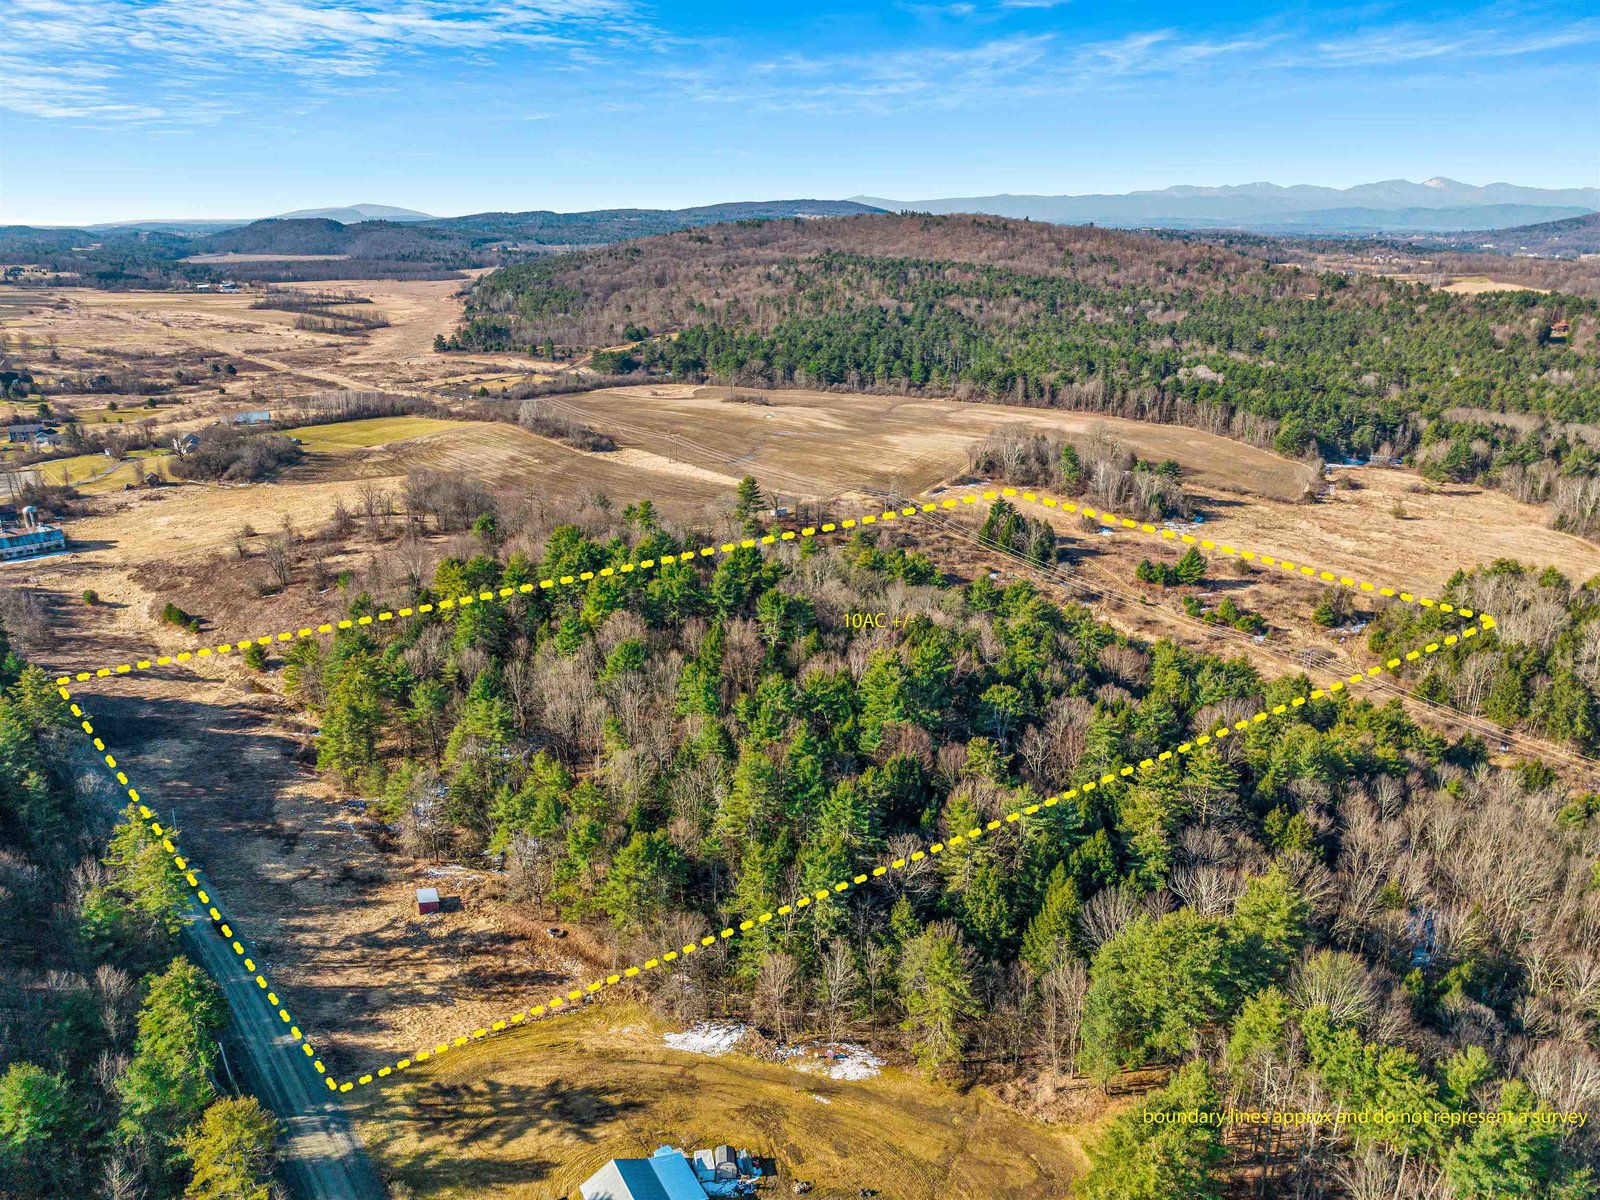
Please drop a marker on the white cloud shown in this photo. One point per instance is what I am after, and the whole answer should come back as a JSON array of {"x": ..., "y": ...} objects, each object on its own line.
[
  {"x": 134, "y": 46},
  {"x": 1393, "y": 45},
  {"x": 40, "y": 90}
]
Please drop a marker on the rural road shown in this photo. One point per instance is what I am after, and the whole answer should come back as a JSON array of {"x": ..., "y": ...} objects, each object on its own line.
[{"x": 321, "y": 1157}]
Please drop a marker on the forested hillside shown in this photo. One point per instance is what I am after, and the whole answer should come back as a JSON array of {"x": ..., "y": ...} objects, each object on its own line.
[
  {"x": 108, "y": 1034},
  {"x": 1174, "y": 330},
  {"x": 1336, "y": 909}
]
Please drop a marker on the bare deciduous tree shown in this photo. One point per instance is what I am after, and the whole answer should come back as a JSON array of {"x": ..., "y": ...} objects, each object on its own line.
[
  {"x": 837, "y": 985},
  {"x": 776, "y": 988}
]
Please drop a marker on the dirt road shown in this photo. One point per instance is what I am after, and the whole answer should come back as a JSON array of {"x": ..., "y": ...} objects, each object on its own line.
[{"x": 321, "y": 1157}]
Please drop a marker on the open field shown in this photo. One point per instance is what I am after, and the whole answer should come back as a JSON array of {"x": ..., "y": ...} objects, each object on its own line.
[
  {"x": 512, "y": 459},
  {"x": 529, "y": 1116},
  {"x": 68, "y": 332},
  {"x": 329, "y": 912},
  {"x": 826, "y": 443},
  {"x": 1472, "y": 285},
  {"x": 375, "y": 431},
  {"x": 93, "y": 474}
]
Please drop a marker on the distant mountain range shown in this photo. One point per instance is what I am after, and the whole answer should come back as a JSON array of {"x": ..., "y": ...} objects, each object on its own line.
[
  {"x": 1437, "y": 204},
  {"x": 351, "y": 213},
  {"x": 137, "y": 254},
  {"x": 374, "y": 240}
]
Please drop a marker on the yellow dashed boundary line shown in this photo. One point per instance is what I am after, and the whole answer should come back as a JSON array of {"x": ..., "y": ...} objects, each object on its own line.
[
  {"x": 576, "y": 996},
  {"x": 579, "y": 995},
  {"x": 503, "y": 594},
  {"x": 1110, "y": 520},
  {"x": 207, "y": 905}
]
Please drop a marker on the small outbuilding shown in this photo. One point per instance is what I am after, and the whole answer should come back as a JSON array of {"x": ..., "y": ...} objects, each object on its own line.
[{"x": 427, "y": 900}]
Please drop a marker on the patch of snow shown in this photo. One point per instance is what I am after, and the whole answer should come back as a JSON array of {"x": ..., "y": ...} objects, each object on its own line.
[
  {"x": 836, "y": 1060},
  {"x": 708, "y": 1037}
]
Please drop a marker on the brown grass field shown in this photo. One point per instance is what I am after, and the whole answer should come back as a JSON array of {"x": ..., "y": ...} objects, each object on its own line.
[
  {"x": 819, "y": 444},
  {"x": 531, "y": 1115}
]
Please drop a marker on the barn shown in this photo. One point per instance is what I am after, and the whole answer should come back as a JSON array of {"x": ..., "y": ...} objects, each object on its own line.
[{"x": 665, "y": 1175}]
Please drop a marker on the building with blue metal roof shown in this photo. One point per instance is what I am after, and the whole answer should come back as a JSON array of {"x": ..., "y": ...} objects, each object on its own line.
[{"x": 665, "y": 1175}]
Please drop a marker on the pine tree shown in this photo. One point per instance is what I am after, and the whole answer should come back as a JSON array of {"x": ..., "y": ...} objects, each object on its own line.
[
  {"x": 645, "y": 877},
  {"x": 754, "y": 799},
  {"x": 936, "y": 992},
  {"x": 166, "y": 1086},
  {"x": 736, "y": 581},
  {"x": 748, "y": 504},
  {"x": 1153, "y": 988},
  {"x": 884, "y": 696},
  {"x": 1140, "y": 1158},
  {"x": 143, "y": 895},
  {"x": 353, "y": 716},
  {"x": 804, "y": 785},
  {"x": 1049, "y": 940},
  {"x": 1191, "y": 568},
  {"x": 41, "y": 1127}
]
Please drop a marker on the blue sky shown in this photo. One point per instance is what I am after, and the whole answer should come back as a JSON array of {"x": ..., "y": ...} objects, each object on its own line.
[{"x": 227, "y": 108}]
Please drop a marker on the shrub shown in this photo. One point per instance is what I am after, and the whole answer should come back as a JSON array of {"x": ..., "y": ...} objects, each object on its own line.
[
  {"x": 255, "y": 656},
  {"x": 91, "y": 597}
]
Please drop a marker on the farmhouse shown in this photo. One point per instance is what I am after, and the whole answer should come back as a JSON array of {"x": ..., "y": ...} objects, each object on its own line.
[{"x": 28, "y": 433}]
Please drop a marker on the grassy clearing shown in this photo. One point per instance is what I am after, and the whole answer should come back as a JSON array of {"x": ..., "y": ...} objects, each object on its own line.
[
  {"x": 373, "y": 431},
  {"x": 532, "y": 1114},
  {"x": 83, "y": 471}
]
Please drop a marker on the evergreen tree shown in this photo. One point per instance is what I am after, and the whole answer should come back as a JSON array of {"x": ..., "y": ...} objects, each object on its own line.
[
  {"x": 143, "y": 895},
  {"x": 748, "y": 504},
  {"x": 1514, "y": 1158},
  {"x": 885, "y": 696},
  {"x": 936, "y": 993},
  {"x": 1051, "y": 934},
  {"x": 646, "y": 876},
  {"x": 1157, "y": 1150},
  {"x": 231, "y": 1152},
  {"x": 1153, "y": 988},
  {"x": 41, "y": 1125},
  {"x": 1191, "y": 568},
  {"x": 352, "y": 720},
  {"x": 166, "y": 1086}
]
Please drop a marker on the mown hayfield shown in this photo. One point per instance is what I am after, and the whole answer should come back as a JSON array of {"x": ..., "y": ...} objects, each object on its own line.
[
  {"x": 530, "y": 1115},
  {"x": 373, "y": 431}
]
